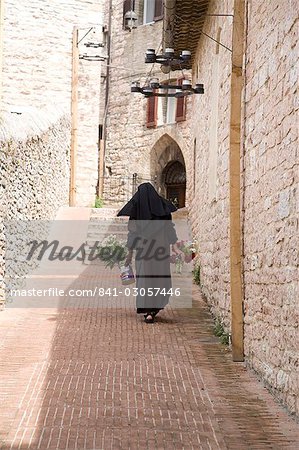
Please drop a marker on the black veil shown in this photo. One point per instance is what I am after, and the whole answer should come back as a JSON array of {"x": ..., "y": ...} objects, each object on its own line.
[{"x": 147, "y": 204}]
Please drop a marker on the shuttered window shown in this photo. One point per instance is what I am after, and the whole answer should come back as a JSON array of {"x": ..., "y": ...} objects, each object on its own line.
[
  {"x": 151, "y": 112},
  {"x": 181, "y": 105},
  {"x": 158, "y": 10}
]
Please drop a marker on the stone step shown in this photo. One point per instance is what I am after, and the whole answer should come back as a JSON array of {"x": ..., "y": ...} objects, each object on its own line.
[
  {"x": 105, "y": 212},
  {"x": 91, "y": 241},
  {"x": 107, "y": 226},
  {"x": 103, "y": 222},
  {"x": 105, "y": 233}
]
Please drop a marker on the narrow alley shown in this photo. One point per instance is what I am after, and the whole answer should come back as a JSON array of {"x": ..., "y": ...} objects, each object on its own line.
[
  {"x": 149, "y": 225},
  {"x": 95, "y": 376}
]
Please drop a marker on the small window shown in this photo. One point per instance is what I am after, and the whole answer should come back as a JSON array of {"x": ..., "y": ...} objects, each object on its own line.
[
  {"x": 148, "y": 11},
  {"x": 166, "y": 110},
  {"x": 152, "y": 11}
]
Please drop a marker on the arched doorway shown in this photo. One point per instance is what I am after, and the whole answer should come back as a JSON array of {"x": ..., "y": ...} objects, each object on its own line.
[
  {"x": 174, "y": 179},
  {"x": 168, "y": 170}
]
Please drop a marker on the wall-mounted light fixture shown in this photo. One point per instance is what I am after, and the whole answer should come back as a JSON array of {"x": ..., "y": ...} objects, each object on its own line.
[
  {"x": 167, "y": 60},
  {"x": 131, "y": 20},
  {"x": 154, "y": 87}
]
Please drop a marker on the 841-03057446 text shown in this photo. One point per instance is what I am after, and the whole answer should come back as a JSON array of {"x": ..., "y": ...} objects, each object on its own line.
[
  {"x": 149, "y": 292},
  {"x": 95, "y": 292}
]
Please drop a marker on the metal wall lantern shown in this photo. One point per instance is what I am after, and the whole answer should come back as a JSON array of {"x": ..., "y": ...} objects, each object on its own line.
[
  {"x": 154, "y": 88},
  {"x": 94, "y": 44},
  {"x": 87, "y": 57},
  {"x": 167, "y": 58},
  {"x": 131, "y": 20},
  {"x": 93, "y": 57}
]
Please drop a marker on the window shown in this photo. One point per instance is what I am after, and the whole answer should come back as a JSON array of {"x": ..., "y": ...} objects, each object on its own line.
[
  {"x": 148, "y": 11},
  {"x": 152, "y": 10},
  {"x": 166, "y": 110}
]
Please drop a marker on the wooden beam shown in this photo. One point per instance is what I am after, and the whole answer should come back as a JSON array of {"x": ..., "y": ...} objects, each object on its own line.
[
  {"x": 234, "y": 182},
  {"x": 74, "y": 118}
]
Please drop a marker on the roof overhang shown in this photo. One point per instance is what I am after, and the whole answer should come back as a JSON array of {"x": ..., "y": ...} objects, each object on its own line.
[{"x": 184, "y": 24}]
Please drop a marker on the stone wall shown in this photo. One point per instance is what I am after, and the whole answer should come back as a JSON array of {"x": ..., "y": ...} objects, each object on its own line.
[
  {"x": 37, "y": 68},
  {"x": 269, "y": 169},
  {"x": 209, "y": 181},
  {"x": 271, "y": 178},
  {"x": 270, "y": 186},
  {"x": 130, "y": 145},
  {"x": 34, "y": 169}
]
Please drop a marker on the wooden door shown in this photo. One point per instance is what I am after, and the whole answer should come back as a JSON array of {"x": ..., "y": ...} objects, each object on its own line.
[{"x": 176, "y": 194}]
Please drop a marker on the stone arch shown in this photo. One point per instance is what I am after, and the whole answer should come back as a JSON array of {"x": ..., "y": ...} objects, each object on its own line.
[{"x": 168, "y": 169}]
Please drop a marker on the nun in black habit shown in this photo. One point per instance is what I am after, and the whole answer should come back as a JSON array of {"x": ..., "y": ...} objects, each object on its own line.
[{"x": 151, "y": 232}]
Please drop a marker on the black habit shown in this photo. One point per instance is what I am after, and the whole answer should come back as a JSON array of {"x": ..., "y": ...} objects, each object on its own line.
[{"x": 151, "y": 232}]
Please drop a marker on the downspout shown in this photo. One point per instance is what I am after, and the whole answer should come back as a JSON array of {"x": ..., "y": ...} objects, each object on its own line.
[
  {"x": 103, "y": 146},
  {"x": 74, "y": 118}
]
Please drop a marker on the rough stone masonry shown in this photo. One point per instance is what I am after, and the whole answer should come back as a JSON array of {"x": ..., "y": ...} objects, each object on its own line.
[{"x": 37, "y": 71}]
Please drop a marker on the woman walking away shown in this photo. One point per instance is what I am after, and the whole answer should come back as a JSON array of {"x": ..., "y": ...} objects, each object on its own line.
[{"x": 151, "y": 232}]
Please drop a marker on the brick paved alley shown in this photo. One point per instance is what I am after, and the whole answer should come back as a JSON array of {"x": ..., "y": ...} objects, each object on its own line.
[
  {"x": 113, "y": 110},
  {"x": 100, "y": 378}
]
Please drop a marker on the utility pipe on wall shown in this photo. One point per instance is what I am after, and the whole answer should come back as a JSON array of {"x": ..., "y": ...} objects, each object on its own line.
[
  {"x": 107, "y": 92},
  {"x": 74, "y": 118}
]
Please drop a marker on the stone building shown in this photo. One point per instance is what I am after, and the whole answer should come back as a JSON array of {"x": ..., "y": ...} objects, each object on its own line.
[
  {"x": 242, "y": 131},
  {"x": 140, "y": 145},
  {"x": 35, "y": 126},
  {"x": 37, "y": 74}
]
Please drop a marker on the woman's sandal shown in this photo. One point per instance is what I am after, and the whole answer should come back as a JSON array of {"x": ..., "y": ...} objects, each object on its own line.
[{"x": 149, "y": 318}]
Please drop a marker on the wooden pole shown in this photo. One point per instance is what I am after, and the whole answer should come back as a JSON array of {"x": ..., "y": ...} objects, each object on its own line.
[
  {"x": 74, "y": 118},
  {"x": 235, "y": 184}
]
